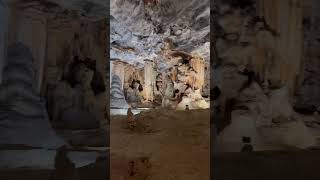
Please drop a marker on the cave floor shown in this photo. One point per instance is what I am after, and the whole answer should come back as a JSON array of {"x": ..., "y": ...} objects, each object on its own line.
[
  {"x": 178, "y": 148},
  {"x": 266, "y": 165},
  {"x": 97, "y": 171}
]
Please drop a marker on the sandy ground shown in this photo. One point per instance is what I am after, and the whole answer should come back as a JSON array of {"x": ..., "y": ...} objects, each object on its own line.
[{"x": 178, "y": 147}]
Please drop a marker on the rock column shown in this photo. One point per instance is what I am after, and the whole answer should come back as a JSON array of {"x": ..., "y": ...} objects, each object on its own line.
[{"x": 149, "y": 80}]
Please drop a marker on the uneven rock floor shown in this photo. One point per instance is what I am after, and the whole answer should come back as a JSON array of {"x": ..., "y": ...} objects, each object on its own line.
[{"x": 178, "y": 146}]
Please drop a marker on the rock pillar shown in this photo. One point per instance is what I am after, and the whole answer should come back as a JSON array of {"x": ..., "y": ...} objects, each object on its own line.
[{"x": 149, "y": 80}]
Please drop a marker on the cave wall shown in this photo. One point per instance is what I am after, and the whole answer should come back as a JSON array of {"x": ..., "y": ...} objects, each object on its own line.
[
  {"x": 131, "y": 79},
  {"x": 56, "y": 36},
  {"x": 29, "y": 26},
  {"x": 133, "y": 73},
  {"x": 3, "y": 35},
  {"x": 307, "y": 94},
  {"x": 118, "y": 69},
  {"x": 285, "y": 19},
  {"x": 86, "y": 40},
  {"x": 265, "y": 37},
  {"x": 282, "y": 53},
  {"x": 75, "y": 38},
  {"x": 264, "y": 52}
]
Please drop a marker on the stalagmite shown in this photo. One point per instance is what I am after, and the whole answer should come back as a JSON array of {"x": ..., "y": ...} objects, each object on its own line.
[
  {"x": 24, "y": 119},
  {"x": 118, "y": 69},
  {"x": 116, "y": 94}
]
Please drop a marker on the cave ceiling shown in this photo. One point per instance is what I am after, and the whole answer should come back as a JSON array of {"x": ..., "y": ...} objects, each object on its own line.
[{"x": 139, "y": 28}]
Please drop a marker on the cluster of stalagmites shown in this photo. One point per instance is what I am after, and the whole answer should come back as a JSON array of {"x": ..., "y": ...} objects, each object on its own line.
[
  {"x": 24, "y": 118},
  {"x": 253, "y": 85}
]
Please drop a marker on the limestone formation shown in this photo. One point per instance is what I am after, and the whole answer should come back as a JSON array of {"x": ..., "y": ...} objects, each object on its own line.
[
  {"x": 266, "y": 50},
  {"x": 116, "y": 94},
  {"x": 253, "y": 78},
  {"x": 137, "y": 54},
  {"x": 149, "y": 80},
  {"x": 24, "y": 118},
  {"x": 52, "y": 77}
]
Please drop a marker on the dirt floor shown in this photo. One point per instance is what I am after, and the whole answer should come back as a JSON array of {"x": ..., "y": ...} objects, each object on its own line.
[
  {"x": 174, "y": 145},
  {"x": 266, "y": 165}
]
